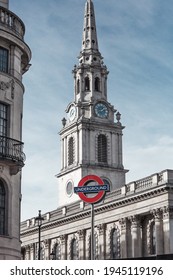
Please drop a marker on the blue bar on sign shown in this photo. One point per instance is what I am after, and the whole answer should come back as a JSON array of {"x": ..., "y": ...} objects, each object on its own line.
[{"x": 92, "y": 189}]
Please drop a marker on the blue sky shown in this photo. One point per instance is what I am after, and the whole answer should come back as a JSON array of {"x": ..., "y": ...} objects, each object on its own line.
[{"x": 136, "y": 40}]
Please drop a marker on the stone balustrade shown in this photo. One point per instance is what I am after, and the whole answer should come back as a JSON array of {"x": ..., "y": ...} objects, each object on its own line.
[
  {"x": 12, "y": 22},
  {"x": 149, "y": 182}
]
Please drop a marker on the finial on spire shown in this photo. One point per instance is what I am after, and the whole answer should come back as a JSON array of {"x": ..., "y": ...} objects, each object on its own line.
[{"x": 4, "y": 3}]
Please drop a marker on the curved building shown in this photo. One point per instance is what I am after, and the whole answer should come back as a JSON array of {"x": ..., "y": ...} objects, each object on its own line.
[{"x": 15, "y": 56}]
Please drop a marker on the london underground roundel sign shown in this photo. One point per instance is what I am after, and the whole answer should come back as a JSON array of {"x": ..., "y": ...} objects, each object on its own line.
[{"x": 99, "y": 195}]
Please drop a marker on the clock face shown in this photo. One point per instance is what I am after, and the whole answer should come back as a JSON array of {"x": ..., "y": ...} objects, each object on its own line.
[
  {"x": 72, "y": 113},
  {"x": 101, "y": 110}
]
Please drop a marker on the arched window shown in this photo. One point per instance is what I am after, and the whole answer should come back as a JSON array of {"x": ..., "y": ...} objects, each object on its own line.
[
  {"x": 57, "y": 251},
  {"x": 74, "y": 252},
  {"x": 87, "y": 83},
  {"x": 102, "y": 148},
  {"x": 2, "y": 208},
  {"x": 71, "y": 151},
  {"x": 3, "y": 60},
  {"x": 78, "y": 86},
  {"x": 115, "y": 244},
  {"x": 97, "y": 84},
  {"x": 153, "y": 238}
]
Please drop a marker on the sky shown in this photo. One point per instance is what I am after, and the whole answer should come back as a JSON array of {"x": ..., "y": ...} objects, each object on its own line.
[{"x": 136, "y": 40}]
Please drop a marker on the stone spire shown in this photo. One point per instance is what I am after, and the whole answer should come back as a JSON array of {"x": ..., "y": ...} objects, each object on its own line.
[
  {"x": 4, "y": 3},
  {"x": 89, "y": 41}
]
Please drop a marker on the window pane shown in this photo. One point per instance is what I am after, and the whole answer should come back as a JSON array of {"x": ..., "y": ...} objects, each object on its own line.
[
  {"x": 3, "y": 119},
  {"x": 3, "y": 60}
]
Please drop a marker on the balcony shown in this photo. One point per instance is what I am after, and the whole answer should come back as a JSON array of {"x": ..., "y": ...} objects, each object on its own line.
[
  {"x": 10, "y": 21},
  {"x": 12, "y": 150}
]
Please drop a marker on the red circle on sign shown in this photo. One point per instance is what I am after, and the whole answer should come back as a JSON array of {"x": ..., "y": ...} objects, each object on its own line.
[{"x": 95, "y": 198}]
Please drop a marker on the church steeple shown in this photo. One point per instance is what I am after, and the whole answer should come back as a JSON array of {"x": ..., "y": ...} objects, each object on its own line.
[
  {"x": 90, "y": 50},
  {"x": 91, "y": 138},
  {"x": 89, "y": 42}
]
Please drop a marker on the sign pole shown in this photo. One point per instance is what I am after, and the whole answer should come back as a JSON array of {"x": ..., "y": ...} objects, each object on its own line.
[
  {"x": 92, "y": 231},
  {"x": 100, "y": 189}
]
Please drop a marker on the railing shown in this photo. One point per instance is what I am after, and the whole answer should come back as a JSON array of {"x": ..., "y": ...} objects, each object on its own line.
[
  {"x": 11, "y": 21},
  {"x": 12, "y": 150}
]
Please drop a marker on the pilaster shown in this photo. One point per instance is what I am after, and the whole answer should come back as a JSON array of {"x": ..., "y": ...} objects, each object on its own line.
[
  {"x": 123, "y": 238},
  {"x": 102, "y": 241},
  {"x": 46, "y": 249},
  {"x": 63, "y": 239},
  {"x": 82, "y": 250}
]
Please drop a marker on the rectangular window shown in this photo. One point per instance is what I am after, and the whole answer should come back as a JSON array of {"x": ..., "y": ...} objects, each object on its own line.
[
  {"x": 3, "y": 60},
  {"x": 3, "y": 119}
]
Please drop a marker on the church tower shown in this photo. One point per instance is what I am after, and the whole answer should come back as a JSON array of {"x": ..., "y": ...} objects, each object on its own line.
[
  {"x": 14, "y": 62},
  {"x": 91, "y": 137}
]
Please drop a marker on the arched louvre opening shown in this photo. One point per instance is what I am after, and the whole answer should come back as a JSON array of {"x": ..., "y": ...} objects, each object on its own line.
[
  {"x": 102, "y": 148},
  {"x": 78, "y": 86},
  {"x": 71, "y": 151},
  {"x": 87, "y": 83},
  {"x": 97, "y": 84}
]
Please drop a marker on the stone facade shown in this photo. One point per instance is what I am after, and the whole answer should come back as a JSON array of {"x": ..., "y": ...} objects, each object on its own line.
[
  {"x": 132, "y": 222},
  {"x": 14, "y": 62}
]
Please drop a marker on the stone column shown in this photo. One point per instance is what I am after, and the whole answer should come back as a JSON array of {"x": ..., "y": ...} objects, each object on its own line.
[
  {"x": 32, "y": 252},
  {"x": 65, "y": 152},
  {"x": 136, "y": 237},
  {"x": 63, "y": 239},
  {"x": 168, "y": 229},
  {"x": 46, "y": 249},
  {"x": 123, "y": 238},
  {"x": 159, "y": 230},
  {"x": 27, "y": 255},
  {"x": 82, "y": 250},
  {"x": 102, "y": 241},
  {"x": 62, "y": 154},
  {"x": 120, "y": 151}
]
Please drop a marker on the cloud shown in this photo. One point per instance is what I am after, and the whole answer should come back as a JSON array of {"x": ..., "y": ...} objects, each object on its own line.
[{"x": 135, "y": 37}]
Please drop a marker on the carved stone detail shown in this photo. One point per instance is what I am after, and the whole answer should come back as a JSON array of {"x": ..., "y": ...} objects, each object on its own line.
[
  {"x": 101, "y": 228},
  {"x": 5, "y": 86},
  {"x": 123, "y": 223},
  {"x": 157, "y": 213},
  {"x": 81, "y": 234},
  {"x": 63, "y": 238},
  {"x": 167, "y": 212}
]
